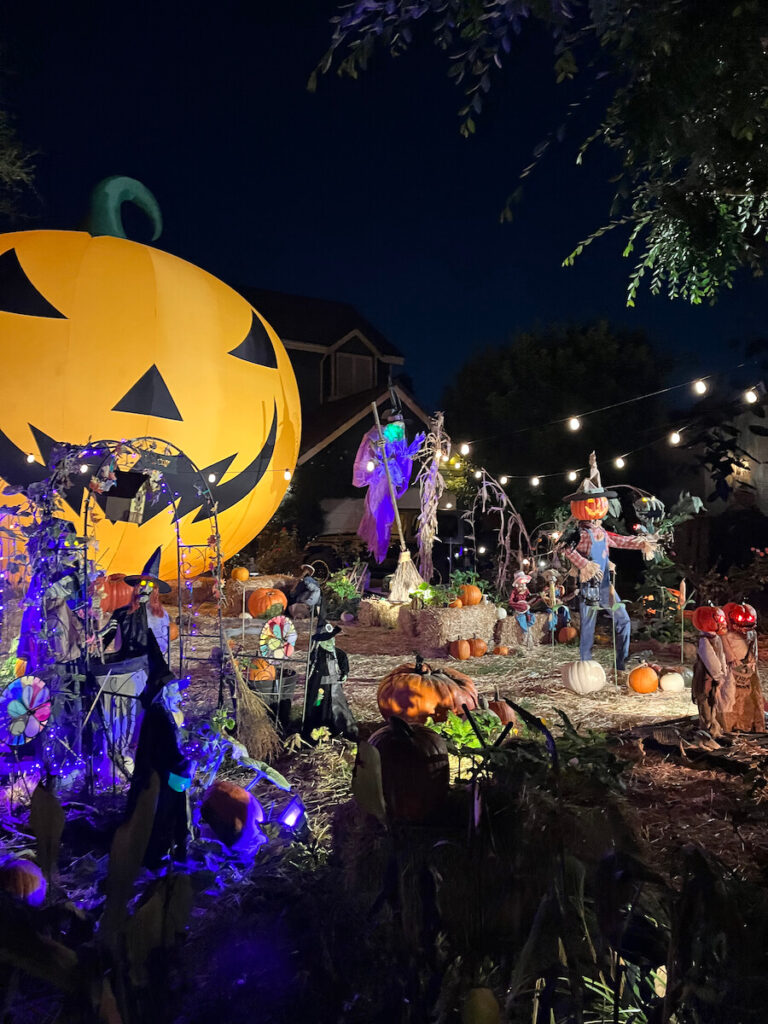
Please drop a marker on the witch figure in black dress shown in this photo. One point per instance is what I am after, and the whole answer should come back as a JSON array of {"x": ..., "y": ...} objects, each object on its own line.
[{"x": 326, "y": 703}]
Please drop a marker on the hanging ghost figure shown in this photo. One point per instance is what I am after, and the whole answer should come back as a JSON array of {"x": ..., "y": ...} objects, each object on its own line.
[{"x": 370, "y": 471}]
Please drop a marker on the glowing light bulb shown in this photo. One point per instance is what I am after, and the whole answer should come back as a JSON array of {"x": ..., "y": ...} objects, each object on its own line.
[
  {"x": 555, "y": 535},
  {"x": 535, "y": 481},
  {"x": 619, "y": 463},
  {"x": 287, "y": 475},
  {"x": 211, "y": 478},
  {"x": 83, "y": 468},
  {"x": 449, "y": 504},
  {"x": 457, "y": 466},
  {"x": 572, "y": 476},
  {"x": 30, "y": 457},
  {"x": 444, "y": 457},
  {"x": 370, "y": 466},
  {"x": 503, "y": 481},
  {"x": 481, "y": 550},
  {"x": 542, "y": 563},
  {"x": 464, "y": 449},
  {"x": 478, "y": 475},
  {"x": 574, "y": 423},
  {"x": 674, "y": 437},
  {"x": 526, "y": 561},
  {"x": 700, "y": 387},
  {"x": 750, "y": 396}
]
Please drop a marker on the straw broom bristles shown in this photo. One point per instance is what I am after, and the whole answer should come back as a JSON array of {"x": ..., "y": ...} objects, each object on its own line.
[{"x": 405, "y": 580}]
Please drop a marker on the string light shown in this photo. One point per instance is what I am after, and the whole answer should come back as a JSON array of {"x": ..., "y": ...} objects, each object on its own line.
[
  {"x": 449, "y": 504},
  {"x": 457, "y": 466},
  {"x": 674, "y": 437},
  {"x": 503, "y": 481},
  {"x": 619, "y": 463},
  {"x": 287, "y": 475},
  {"x": 572, "y": 476},
  {"x": 750, "y": 396},
  {"x": 574, "y": 423},
  {"x": 535, "y": 481},
  {"x": 555, "y": 535},
  {"x": 526, "y": 561},
  {"x": 83, "y": 468},
  {"x": 30, "y": 457},
  {"x": 478, "y": 474},
  {"x": 481, "y": 550},
  {"x": 211, "y": 478},
  {"x": 700, "y": 387},
  {"x": 464, "y": 449},
  {"x": 370, "y": 466},
  {"x": 444, "y": 457}
]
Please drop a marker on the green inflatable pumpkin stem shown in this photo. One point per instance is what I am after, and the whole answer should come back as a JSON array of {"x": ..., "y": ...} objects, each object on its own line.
[{"x": 107, "y": 199}]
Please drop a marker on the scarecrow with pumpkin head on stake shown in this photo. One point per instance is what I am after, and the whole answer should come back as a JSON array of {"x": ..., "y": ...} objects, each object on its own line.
[{"x": 587, "y": 548}]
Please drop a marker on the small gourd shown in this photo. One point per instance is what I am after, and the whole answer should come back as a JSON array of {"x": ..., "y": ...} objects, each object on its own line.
[
  {"x": 501, "y": 649},
  {"x": 671, "y": 682},
  {"x": 566, "y": 634},
  {"x": 478, "y": 647},
  {"x": 240, "y": 574},
  {"x": 460, "y": 650},
  {"x": 470, "y": 594},
  {"x": 501, "y": 613},
  {"x": 643, "y": 679}
]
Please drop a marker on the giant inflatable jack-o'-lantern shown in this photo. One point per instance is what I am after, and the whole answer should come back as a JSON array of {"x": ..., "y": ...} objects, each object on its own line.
[{"x": 106, "y": 338}]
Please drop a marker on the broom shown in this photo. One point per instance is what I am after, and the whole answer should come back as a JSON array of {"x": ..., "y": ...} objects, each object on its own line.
[{"x": 406, "y": 577}]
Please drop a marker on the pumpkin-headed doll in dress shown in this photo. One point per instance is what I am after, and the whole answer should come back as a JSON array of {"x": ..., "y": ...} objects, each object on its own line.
[
  {"x": 519, "y": 602},
  {"x": 710, "y": 690},
  {"x": 745, "y": 712}
]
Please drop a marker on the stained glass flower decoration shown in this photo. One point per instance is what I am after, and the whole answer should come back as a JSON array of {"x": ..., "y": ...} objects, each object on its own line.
[
  {"x": 25, "y": 707},
  {"x": 278, "y": 638}
]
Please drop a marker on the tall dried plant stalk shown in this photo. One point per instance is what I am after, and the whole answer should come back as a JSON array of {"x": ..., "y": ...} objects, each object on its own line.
[
  {"x": 512, "y": 540},
  {"x": 437, "y": 445}
]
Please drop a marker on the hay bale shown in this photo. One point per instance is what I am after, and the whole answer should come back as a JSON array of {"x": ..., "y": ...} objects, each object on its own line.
[
  {"x": 509, "y": 632},
  {"x": 437, "y": 627},
  {"x": 234, "y": 590},
  {"x": 375, "y": 611}
]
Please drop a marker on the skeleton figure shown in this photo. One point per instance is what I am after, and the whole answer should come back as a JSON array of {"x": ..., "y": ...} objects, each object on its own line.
[{"x": 326, "y": 703}]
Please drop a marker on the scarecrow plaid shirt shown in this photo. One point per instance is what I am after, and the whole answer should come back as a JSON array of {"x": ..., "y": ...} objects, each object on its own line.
[{"x": 579, "y": 554}]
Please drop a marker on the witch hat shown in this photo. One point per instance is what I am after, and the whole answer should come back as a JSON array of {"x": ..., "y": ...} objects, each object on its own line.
[
  {"x": 149, "y": 575},
  {"x": 326, "y": 630},
  {"x": 591, "y": 486}
]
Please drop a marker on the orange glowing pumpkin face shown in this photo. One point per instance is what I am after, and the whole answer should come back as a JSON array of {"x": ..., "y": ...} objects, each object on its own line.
[
  {"x": 589, "y": 509},
  {"x": 105, "y": 338}
]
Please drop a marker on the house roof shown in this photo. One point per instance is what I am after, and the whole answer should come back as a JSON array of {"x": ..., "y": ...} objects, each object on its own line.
[
  {"x": 321, "y": 322},
  {"x": 335, "y": 418}
]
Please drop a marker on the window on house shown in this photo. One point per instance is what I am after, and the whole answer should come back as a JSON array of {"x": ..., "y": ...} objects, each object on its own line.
[{"x": 353, "y": 373}]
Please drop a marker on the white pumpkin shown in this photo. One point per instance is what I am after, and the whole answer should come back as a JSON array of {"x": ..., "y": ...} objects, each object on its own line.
[
  {"x": 583, "y": 676},
  {"x": 671, "y": 682},
  {"x": 501, "y": 613}
]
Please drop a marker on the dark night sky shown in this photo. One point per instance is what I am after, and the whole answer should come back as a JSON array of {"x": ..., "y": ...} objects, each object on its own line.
[{"x": 363, "y": 192}]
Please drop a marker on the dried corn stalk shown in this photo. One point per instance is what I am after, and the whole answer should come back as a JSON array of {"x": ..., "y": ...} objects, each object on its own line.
[
  {"x": 436, "y": 447},
  {"x": 512, "y": 540}
]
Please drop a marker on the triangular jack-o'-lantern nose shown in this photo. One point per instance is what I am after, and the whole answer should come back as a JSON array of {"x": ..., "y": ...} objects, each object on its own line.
[
  {"x": 149, "y": 396},
  {"x": 256, "y": 346},
  {"x": 18, "y": 294}
]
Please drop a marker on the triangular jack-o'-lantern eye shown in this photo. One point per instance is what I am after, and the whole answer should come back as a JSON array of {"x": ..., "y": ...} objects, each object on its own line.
[
  {"x": 256, "y": 346},
  {"x": 149, "y": 396},
  {"x": 18, "y": 294}
]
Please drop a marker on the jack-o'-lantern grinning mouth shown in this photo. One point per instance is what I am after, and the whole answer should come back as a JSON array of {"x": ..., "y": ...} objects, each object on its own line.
[{"x": 189, "y": 484}]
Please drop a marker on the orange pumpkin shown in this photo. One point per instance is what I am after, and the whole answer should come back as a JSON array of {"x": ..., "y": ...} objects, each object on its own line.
[
  {"x": 566, "y": 634},
  {"x": 266, "y": 602},
  {"x": 458, "y": 603},
  {"x": 173, "y": 631},
  {"x": 415, "y": 773},
  {"x": 117, "y": 593},
  {"x": 589, "y": 509},
  {"x": 232, "y": 813},
  {"x": 418, "y": 692},
  {"x": 24, "y": 880},
  {"x": 502, "y": 709},
  {"x": 240, "y": 574},
  {"x": 261, "y": 669},
  {"x": 644, "y": 679},
  {"x": 21, "y": 667},
  {"x": 460, "y": 650},
  {"x": 470, "y": 595},
  {"x": 501, "y": 649},
  {"x": 709, "y": 619},
  {"x": 478, "y": 647}
]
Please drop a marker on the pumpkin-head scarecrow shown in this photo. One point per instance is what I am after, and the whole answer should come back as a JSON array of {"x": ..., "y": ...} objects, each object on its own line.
[
  {"x": 326, "y": 705},
  {"x": 746, "y": 712},
  {"x": 712, "y": 685},
  {"x": 588, "y": 553},
  {"x": 106, "y": 338}
]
